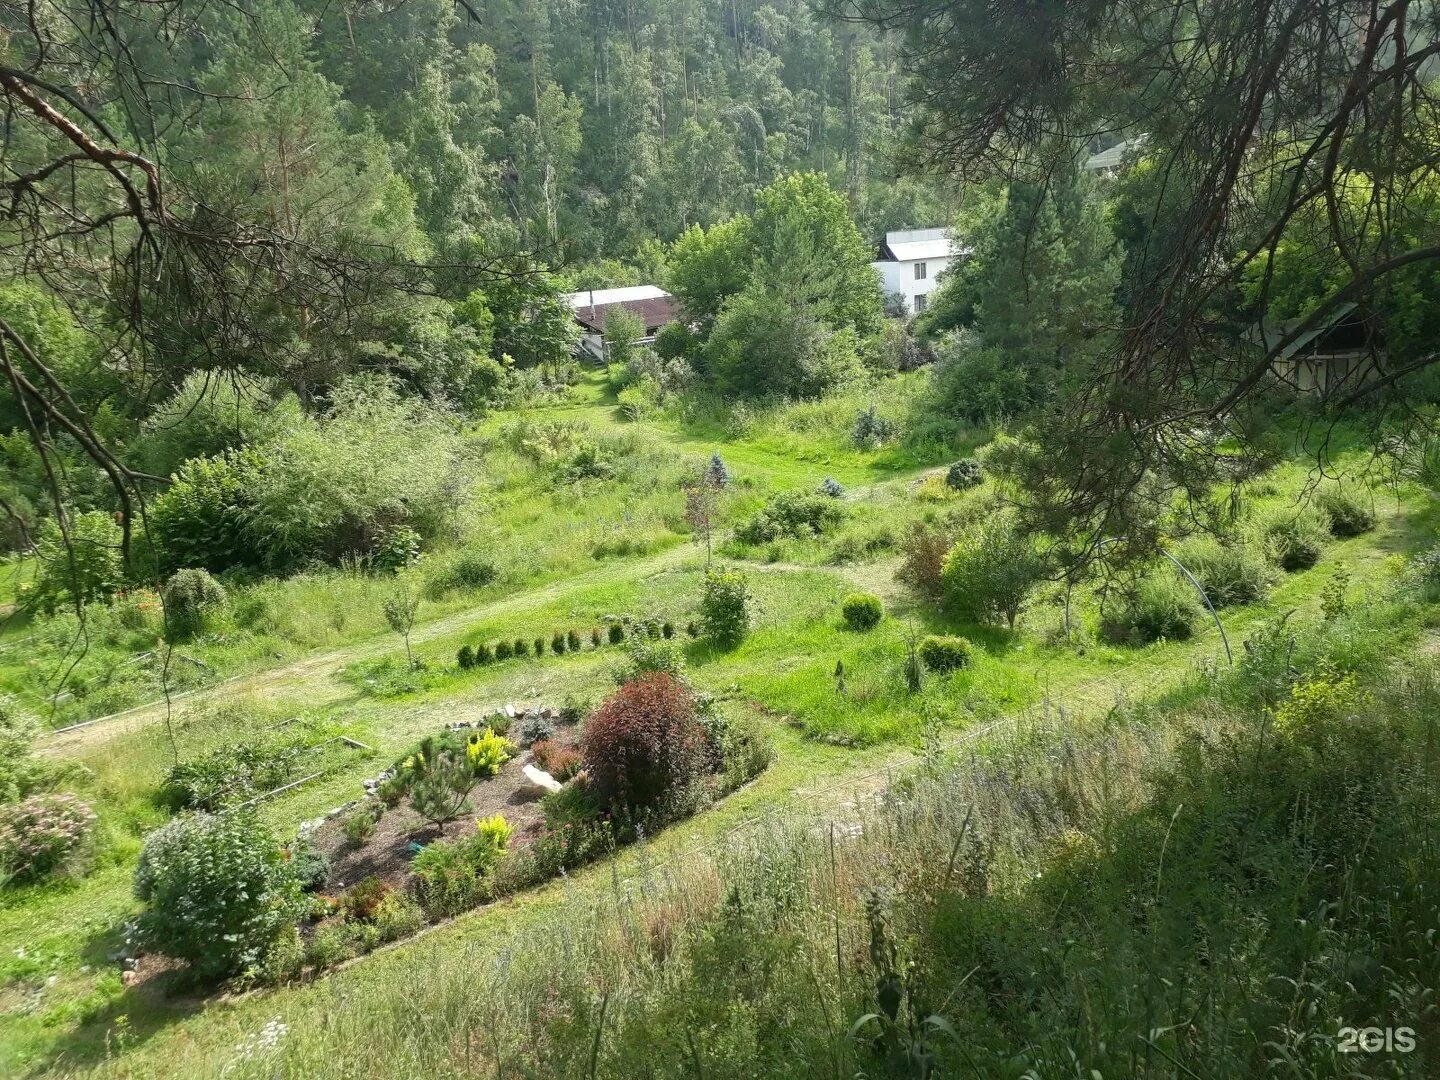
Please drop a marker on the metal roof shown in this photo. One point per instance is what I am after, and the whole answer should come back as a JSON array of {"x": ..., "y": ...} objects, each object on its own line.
[
  {"x": 1115, "y": 156},
  {"x": 910, "y": 245},
  {"x": 601, "y": 297}
]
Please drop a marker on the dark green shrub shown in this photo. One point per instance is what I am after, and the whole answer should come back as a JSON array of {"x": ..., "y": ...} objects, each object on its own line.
[
  {"x": 830, "y": 488},
  {"x": 558, "y": 644},
  {"x": 499, "y": 723},
  {"x": 617, "y": 633},
  {"x": 469, "y": 572},
  {"x": 188, "y": 596},
  {"x": 1293, "y": 539},
  {"x": 1349, "y": 513},
  {"x": 871, "y": 430},
  {"x": 791, "y": 515},
  {"x": 667, "y": 630},
  {"x": 465, "y": 657},
  {"x": 572, "y": 639},
  {"x": 644, "y": 746},
  {"x": 217, "y": 891},
  {"x": 944, "y": 653},
  {"x": 539, "y": 647},
  {"x": 308, "y": 863},
  {"x": 483, "y": 654},
  {"x": 965, "y": 473},
  {"x": 692, "y": 629},
  {"x": 1162, "y": 606},
  {"x": 41, "y": 834},
  {"x": 203, "y": 518},
  {"x": 504, "y": 650},
  {"x": 596, "y": 639},
  {"x": 862, "y": 611},
  {"x": 392, "y": 789},
  {"x": 1229, "y": 573},
  {"x": 440, "y": 785},
  {"x": 522, "y": 647},
  {"x": 725, "y": 607},
  {"x": 395, "y": 548}
]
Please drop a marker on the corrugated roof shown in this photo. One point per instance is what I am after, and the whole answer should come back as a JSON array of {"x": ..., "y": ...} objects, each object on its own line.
[
  {"x": 656, "y": 311},
  {"x": 1114, "y": 156},
  {"x": 600, "y": 297},
  {"x": 909, "y": 245}
]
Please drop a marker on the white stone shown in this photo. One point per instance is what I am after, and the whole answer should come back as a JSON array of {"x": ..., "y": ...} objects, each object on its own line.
[{"x": 541, "y": 779}]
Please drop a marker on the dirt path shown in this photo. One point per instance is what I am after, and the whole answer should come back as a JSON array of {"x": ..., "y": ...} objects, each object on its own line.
[{"x": 312, "y": 680}]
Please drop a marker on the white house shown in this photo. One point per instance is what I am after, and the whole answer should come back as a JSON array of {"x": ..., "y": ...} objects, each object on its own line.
[
  {"x": 654, "y": 306},
  {"x": 910, "y": 261}
]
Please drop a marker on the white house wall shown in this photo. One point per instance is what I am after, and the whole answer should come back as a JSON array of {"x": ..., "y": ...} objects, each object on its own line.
[{"x": 899, "y": 277}]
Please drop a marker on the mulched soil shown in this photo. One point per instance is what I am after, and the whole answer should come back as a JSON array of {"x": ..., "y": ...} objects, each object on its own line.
[{"x": 387, "y": 853}]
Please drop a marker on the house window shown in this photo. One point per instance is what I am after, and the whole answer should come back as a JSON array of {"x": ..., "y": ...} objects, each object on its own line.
[
  {"x": 920, "y": 303},
  {"x": 920, "y": 271}
]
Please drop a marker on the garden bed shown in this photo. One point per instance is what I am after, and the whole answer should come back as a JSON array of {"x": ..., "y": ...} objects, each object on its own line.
[{"x": 387, "y": 854}]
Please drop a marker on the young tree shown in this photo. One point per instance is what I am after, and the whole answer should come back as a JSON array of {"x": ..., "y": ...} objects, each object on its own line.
[
  {"x": 623, "y": 328},
  {"x": 992, "y": 570},
  {"x": 702, "y": 499},
  {"x": 400, "y": 609}
]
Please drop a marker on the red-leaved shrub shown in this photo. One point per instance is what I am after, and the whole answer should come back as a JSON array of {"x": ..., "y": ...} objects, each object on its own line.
[
  {"x": 560, "y": 761},
  {"x": 925, "y": 547},
  {"x": 644, "y": 743}
]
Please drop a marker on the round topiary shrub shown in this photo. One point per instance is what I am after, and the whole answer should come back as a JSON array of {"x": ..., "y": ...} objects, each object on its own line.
[
  {"x": 617, "y": 633},
  {"x": 217, "y": 891},
  {"x": 188, "y": 596},
  {"x": 944, "y": 653},
  {"x": 483, "y": 655},
  {"x": 41, "y": 834},
  {"x": 667, "y": 630},
  {"x": 862, "y": 611},
  {"x": 504, "y": 650},
  {"x": 644, "y": 746},
  {"x": 465, "y": 657},
  {"x": 1349, "y": 514},
  {"x": 1293, "y": 539},
  {"x": 522, "y": 647},
  {"x": 965, "y": 473}
]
